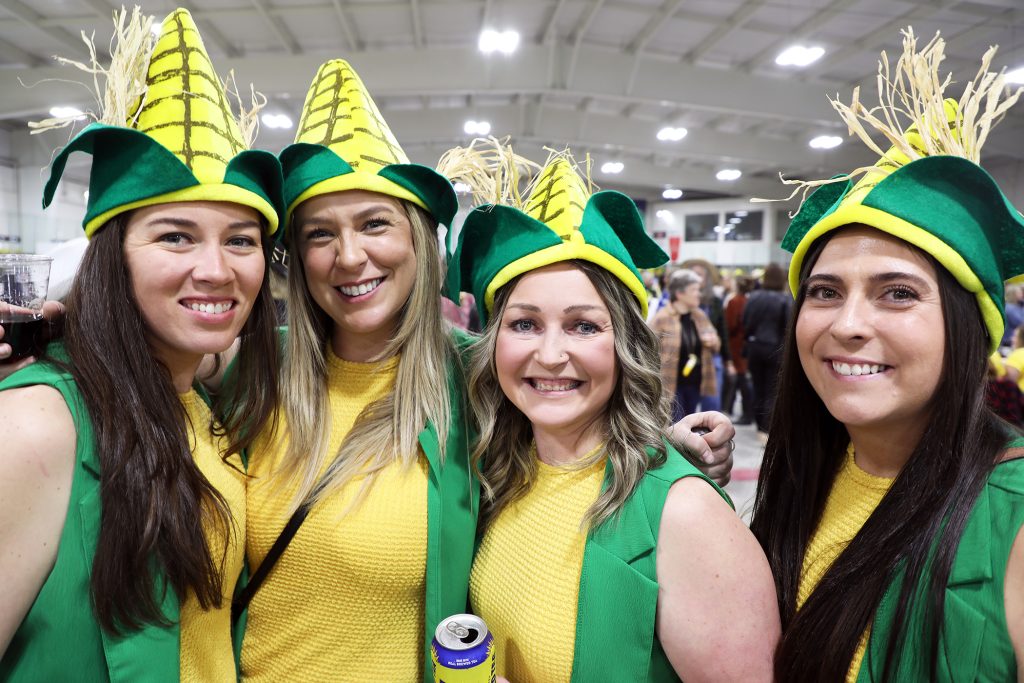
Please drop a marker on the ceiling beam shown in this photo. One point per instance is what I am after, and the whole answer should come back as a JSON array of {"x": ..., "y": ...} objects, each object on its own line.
[
  {"x": 650, "y": 29},
  {"x": 735, "y": 21},
  {"x": 278, "y": 27},
  {"x": 577, "y": 40},
  {"x": 800, "y": 32},
  {"x": 552, "y": 24},
  {"x": 417, "y": 23},
  {"x": 71, "y": 42},
  {"x": 345, "y": 21}
]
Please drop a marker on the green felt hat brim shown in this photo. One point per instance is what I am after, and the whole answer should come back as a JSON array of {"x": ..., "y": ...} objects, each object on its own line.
[
  {"x": 499, "y": 243},
  {"x": 311, "y": 170},
  {"x": 131, "y": 170},
  {"x": 947, "y": 206}
]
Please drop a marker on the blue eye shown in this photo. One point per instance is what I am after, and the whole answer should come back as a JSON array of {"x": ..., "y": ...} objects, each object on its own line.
[
  {"x": 586, "y": 328},
  {"x": 523, "y": 325}
]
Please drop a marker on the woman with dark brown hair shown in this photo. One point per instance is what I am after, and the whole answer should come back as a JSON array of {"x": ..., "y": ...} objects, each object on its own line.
[
  {"x": 122, "y": 505},
  {"x": 891, "y": 498}
]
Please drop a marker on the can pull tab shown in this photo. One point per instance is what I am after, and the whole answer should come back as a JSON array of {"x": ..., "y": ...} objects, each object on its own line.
[{"x": 457, "y": 630}]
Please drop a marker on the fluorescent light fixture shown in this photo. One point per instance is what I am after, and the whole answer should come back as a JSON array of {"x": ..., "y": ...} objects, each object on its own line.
[
  {"x": 742, "y": 213},
  {"x": 669, "y": 134},
  {"x": 663, "y": 214},
  {"x": 728, "y": 174},
  {"x": 462, "y": 188},
  {"x": 62, "y": 112},
  {"x": 85, "y": 195},
  {"x": 504, "y": 42},
  {"x": 476, "y": 127},
  {"x": 1016, "y": 76},
  {"x": 735, "y": 220},
  {"x": 155, "y": 29},
  {"x": 826, "y": 141},
  {"x": 280, "y": 121},
  {"x": 612, "y": 167},
  {"x": 672, "y": 193},
  {"x": 799, "y": 55}
]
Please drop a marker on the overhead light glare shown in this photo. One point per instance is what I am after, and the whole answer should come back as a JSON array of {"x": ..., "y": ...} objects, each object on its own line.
[
  {"x": 728, "y": 174},
  {"x": 742, "y": 213},
  {"x": 672, "y": 193},
  {"x": 799, "y": 55},
  {"x": 155, "y": 29},
  {"x": 826, "y": 141},
  {"x": 612, "y": 167},
  {"x": 504, "y": 42},
  {"x": 62, "y": 112},
  {"x": 663, "y": 214},
  {"x": 670, "y": 134},
  {"x": 279, "y": 121},
  {"x": 462, "y": 188},
  {"x": 735, "y": 220},
  {"x": 476, "y": 127},
  {"x": 1015, "y": 77}
]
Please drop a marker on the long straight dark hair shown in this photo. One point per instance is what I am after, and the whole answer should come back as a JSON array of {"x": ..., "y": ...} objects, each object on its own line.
[
  {"x": 914, "y": 530},
  {"x": 154, "y": 498}
]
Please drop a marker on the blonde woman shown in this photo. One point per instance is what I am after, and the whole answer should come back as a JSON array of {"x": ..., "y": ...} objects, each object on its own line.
[{"x": 605, "y": 554}]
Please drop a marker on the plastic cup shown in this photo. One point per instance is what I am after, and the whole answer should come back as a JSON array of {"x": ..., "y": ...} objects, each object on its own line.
[{"x": 24, "y": 279}]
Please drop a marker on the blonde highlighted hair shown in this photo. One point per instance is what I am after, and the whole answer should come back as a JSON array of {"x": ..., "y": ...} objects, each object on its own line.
[
  {"x": 635, "y": 420},
  {"x": 388, "y": 429}
]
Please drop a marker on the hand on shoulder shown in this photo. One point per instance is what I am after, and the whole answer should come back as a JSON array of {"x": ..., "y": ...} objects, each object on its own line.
[
  {"x": 718, "y": 615},
  {"x": 37, "y": 461}
]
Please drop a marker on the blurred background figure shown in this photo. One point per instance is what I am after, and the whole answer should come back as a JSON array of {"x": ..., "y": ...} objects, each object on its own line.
[
  {"x": 688, "y": 343},
  {"x": 739, "y": 381},
  {"x": 764, "y": 319},
  {"x": 711, "y": 303}
]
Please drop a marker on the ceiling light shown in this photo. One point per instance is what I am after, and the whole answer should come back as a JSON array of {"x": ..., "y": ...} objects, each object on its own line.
[
  {"x": 462, "y": 188},
  {"x": 826, "y": 142},
  {"x": 664, "y": 214},
  {"x": 669, "y": 134},
  {"x": 477, "y": 127},
  {"x": 154, "y": 28},
  {"x": 735, "y": 220},
  {"x": 799, "y": 55},
  {"x": 612, "y": 167},
  {"x": 728, "y": 174},
  {"x": 282, "y": 121},
  {"x": 742, "y": 213},
  {"x": 85, "y": 195},
  {"x": 61, "y": 112},
  {"x": 504, "y": 42},
  {"x": 672, "y": 193},
  {"x": 1016, "y": 76}
]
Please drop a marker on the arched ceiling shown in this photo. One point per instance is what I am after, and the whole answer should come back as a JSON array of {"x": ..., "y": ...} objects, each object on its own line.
[{"x": 602, "y": 76}]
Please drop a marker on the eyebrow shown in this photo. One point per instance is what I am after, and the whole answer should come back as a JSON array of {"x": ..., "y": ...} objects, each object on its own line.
[
  {"x": 576, "y": 308},
  {"x": 186, "y": 223},
  {"x": 358, "y": 216},
  {"x": 876, "y": 279}
]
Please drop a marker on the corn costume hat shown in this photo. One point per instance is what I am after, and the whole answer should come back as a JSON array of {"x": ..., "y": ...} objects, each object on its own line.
[
  {"x": 343, "y": 143},
  {"x": 560, "y": 221},
  {"x": 167, "y": 133},
  {"x": 928, "y": 188}
]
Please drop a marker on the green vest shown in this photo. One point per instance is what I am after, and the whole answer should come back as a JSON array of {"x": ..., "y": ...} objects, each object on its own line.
[
  {"x": 974, "y": 643},
  {"x": 59, "y": 639},
  {"x": 618, "y": 594},
  {"x": 453, "y": 503}
]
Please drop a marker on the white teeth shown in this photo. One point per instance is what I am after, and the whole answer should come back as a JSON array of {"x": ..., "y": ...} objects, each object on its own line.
[
  {"x": 857, "y": 369},
  {"x": 564, "y": 385},
  {"x": 212, "y": 308},
  {"x": 363, "y": 288}
]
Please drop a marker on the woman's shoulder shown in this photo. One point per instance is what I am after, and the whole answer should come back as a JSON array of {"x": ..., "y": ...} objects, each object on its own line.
[{"x": 677, "y": 468}]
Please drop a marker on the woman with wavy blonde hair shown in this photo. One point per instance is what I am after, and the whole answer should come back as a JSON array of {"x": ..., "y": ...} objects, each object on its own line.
[{"x": 586, "y": 568}]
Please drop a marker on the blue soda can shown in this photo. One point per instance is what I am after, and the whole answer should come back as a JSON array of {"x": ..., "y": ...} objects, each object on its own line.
[{"x": 463, "y": 651}]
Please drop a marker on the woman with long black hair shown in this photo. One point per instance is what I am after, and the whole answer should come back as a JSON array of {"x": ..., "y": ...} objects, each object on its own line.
[{"x": 891, "y": 499}]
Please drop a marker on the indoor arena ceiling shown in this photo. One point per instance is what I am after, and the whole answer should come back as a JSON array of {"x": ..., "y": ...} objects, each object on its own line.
[{"x": 602, "y": 76}]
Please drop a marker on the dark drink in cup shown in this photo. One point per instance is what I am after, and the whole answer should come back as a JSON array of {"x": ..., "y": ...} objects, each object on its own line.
[{"x": 25, "y": 332}]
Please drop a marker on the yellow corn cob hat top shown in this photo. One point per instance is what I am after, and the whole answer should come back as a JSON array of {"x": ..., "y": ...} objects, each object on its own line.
[
  {"x": 344, "y": 143},
  {"x": 559, "y": 221},
  {"x": 178, "y": 141}
]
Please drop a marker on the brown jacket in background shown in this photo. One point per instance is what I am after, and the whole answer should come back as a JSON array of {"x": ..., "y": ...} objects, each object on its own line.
[{"x": 670, "y": 331}]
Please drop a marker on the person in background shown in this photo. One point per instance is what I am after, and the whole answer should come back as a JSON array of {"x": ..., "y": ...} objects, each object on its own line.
[
  {"x": 122, "y": 503},
  {"x": 739, "y": 382},
  {"x": 764, "y": 320},
  {"x": 711, "y": 297},
  {"x": 688, "y": 343},
  {"x": 891, "y": 499},
  {"x": 1014, "y": 312},
  {"x": 586, "y": 569}
]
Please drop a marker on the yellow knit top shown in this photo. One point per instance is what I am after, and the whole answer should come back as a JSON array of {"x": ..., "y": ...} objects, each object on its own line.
[
  {"x": 206, "y": 650},
  {"x": 345, "y": 602},
  {"x": 526, "y": 574},
  {"x": 854, "y": 496}
]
